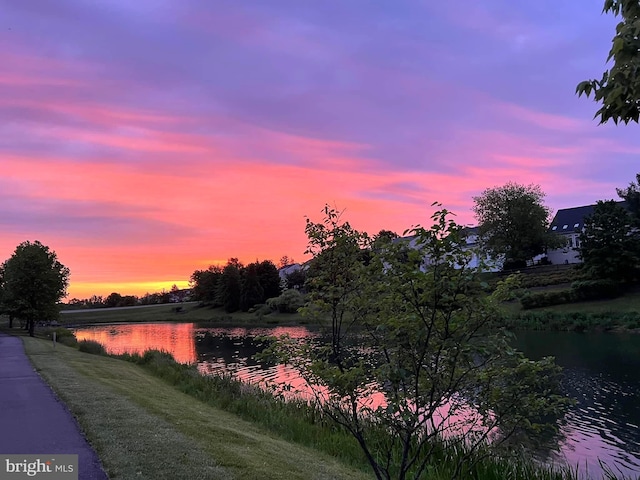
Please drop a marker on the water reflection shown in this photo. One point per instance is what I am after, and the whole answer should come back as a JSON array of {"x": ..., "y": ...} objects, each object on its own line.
[
  {"x": 601, "y": 371},
  {"x": 233, "y": 351},
  {"x": 175, "y": 338}
]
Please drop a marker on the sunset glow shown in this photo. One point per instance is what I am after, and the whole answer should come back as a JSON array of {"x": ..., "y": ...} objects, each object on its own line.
[{"x": 142, "y": 141}]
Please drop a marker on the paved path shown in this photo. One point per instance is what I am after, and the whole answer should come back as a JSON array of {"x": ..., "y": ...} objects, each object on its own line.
[{"x": 32, "y": 419}]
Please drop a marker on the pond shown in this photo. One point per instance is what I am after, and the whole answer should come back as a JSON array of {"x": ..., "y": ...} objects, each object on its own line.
[{"x": 601, "y": 371}]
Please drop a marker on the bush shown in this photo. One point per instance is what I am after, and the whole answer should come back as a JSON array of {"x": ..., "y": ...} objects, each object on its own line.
[
  {"x": 546, "y": 299},
  {"x": 596, "y": 289},
  {"x": 261, "y": 310},
  {"x": 580, "y": 291},
  {"x": 92, "y": 347},
  {"x": 572, "y": 321},
  {"x": 289, "y": 302},
  {"x": 554, "y": 278}
]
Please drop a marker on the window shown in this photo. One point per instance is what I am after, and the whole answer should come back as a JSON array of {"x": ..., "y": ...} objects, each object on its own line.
[
  {"x": 564, "y": 227},
  {"x": 577, "y": 242},
  {"x": 576, "y": 225},
  {"x": 555, "y": 227},
  {"x": 570, "y": 242}
]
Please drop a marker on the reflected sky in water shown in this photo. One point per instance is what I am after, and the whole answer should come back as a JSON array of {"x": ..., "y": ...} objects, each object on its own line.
[{"x": 602, "y": 372}]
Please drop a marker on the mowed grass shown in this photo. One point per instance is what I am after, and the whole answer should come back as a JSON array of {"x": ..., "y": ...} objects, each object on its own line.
[
  {"x": 628, "y": 302},
  {"x": 190, "y": 312},
  {"x": 143, "y": 428}
]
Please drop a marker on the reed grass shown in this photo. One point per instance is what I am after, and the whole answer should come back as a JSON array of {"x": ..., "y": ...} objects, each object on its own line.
[{"x": 300, "y": 422}]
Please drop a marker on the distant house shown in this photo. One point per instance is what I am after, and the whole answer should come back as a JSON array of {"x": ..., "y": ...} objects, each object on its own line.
[
  {"x": 569, "y": 223},
  {"x": 287, "y": 270},
  {"x": 472, "y": 243},
  {"x": 472, "y": 239}
]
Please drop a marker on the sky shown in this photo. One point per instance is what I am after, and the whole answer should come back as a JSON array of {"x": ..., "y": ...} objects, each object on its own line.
[{"x": 142, "y": 140}]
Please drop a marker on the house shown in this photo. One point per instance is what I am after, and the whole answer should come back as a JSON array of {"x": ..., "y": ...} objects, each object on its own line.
[
  {"x": 569, "y": 222},
  {"x": 472, "y": 244},
  {"x": 288, "y": 269}
]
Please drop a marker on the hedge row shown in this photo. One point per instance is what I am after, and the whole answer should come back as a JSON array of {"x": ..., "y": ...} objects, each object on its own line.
[
  {"x": 535, "y": 280},
  {"x": 579, "y": 291},
  {"x": 573, "y": 321}
]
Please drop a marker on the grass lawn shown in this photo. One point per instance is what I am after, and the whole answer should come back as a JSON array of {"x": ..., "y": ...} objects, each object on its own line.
[
  {"x": 629, "y": 302},
  {"x": 190, "y": 312},
  {"x": 143, "y": 428}
]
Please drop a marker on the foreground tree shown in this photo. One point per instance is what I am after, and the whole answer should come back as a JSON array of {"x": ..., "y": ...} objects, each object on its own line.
[
  {"x": 514, "y": 223},
  {"x": 619, "y": 89},
  {"x": 33, "y": 282},
  {"x": 610, "y": 245},
  {"x": 332, "y": 278},
  {"x": 430, "y": 371},
  {"x": 631, "y": 195}
]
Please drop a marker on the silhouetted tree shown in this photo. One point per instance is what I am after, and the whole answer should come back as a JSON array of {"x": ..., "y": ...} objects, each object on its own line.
[
  {"x": 230, "y": 285},
  {"x": 252, "y": 291},
  {"x": 269, "y": 279},
  {"x": 205, "y": 284},
  {"x": 285, "y": 260},
  {"x": 33, "y": 282},
  {"x": 113, "y": 300}
]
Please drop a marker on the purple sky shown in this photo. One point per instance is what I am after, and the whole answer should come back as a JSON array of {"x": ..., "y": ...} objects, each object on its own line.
[{"x": 142, "y": 140}]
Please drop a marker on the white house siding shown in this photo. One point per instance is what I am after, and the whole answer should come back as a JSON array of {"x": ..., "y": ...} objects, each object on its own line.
[{"x": 567, "y": 254}]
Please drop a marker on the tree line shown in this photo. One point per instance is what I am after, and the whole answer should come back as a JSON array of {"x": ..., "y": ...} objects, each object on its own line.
[
  {"x": 115, "y": 299},
  {"x": 236, "y": 286}
]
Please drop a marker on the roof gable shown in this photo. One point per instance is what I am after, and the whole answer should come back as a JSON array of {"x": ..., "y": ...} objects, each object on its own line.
[{"x": 569, "y": 220}]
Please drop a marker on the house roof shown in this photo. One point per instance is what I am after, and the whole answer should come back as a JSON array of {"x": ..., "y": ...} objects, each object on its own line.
[{"x": 570, "y": 220}]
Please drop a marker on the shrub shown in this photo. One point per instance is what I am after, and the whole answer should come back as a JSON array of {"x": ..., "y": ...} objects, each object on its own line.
[
  {"x": 546, "y": 299},
  {"x": 289, "y": 302},
  {"x": 580, "y": 291},
  {"x": 92, "y": 347},
  {"x": 262, "y": 309},
  {"x": 596, "y": 289},
  {"x": 554, "y": 278},
  {"x": 572, "y": 321}
]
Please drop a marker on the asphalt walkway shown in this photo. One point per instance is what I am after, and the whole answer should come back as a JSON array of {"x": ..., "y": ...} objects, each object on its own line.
[{"x": 32, "y": 419}]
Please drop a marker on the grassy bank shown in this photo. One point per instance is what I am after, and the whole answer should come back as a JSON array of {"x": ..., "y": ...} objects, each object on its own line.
[
  {"x": 144, "y": 428},
  {"x": 612, "y": 315},
  {"x": 188, "y": 312},
  {"x": 619, "y": 314}
]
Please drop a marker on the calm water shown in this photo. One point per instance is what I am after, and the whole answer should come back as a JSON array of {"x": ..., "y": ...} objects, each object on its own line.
[{"x": 602, "y": 372}]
